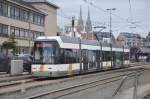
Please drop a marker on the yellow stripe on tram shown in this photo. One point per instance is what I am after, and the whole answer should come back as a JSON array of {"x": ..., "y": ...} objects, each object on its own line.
[
  {"x": 70, "y": 69},
  {"x": 41, "y": 68}
]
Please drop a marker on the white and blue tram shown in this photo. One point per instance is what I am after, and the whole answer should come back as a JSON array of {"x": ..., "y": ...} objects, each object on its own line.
[{"x": 62, "y": 56}]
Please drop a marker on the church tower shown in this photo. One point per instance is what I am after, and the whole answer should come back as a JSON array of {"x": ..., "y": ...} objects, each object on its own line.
[
  {"x": 80, "y": 26},
  {"x": 88, "y": 26}
]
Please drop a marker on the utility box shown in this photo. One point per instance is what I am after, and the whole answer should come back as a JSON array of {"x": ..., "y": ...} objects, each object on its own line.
[{"x": 16, "y": 67}]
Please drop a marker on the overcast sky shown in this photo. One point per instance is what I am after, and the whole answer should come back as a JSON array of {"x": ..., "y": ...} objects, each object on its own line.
[{"x": 140, "y": 12}]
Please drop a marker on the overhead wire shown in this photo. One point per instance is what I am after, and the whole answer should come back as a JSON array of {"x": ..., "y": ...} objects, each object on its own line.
[
  {"x": 70, "y": 17},
  {"x": 130, "y": 9},
  {"x": 124, "y": 19}
]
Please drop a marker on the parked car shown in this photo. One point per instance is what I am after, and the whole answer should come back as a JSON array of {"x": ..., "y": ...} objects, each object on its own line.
[
  {"x": 5, "y": 61},
  {"x": 27, "y": 61}
]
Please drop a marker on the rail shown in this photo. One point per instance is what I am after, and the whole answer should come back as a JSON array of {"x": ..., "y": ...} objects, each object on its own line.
[
  {"x": 123, "y": 81},
  {"x": 80, "y": 87}
]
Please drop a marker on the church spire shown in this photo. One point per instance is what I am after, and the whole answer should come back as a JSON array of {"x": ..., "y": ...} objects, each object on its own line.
[
  {"x": 89, "y": 14},
  {"x": 80, "y": 21},
  {"x": 88, "y": 27},
  {"x": 80, "y": 12}
]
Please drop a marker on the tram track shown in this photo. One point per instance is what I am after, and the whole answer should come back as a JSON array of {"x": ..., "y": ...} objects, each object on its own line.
[
  {"x": 14, "y": 83},
  {"x": 81, "y": 87},
  {"x": 11, "y": 83},
  {"x": 43, "y": 85},
  {"x": 61, "y": 80}
]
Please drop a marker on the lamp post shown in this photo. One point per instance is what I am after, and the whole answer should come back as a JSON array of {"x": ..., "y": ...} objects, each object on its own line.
[
  {"x": 73, "y": 23},
  {"x": 29, "y": 33},
  {"x": 111, "y": 54},
  {"x": 100, "y": 44}
]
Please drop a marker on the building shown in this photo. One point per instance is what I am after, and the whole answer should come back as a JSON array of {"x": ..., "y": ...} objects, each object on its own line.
[
  {"x": 80, "y": 26},
  {"x": 88, "y": 25},
  {"x": 89, "y": 36},
  {"x": 139, "y": 53},
  {"x": 129, "y": 39},
  {"x": 146, "y": 41},
  {"x": 105, "y": 37},
  {"x": 84, "y": 31},
  {"x": 26, "y": 20}
]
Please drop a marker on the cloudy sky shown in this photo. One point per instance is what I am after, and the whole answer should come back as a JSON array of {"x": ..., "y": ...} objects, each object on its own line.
[{"x": 121, "y": 17}]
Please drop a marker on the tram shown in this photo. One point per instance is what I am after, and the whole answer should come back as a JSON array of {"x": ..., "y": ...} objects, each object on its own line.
[{"x": 64, "y": 56}]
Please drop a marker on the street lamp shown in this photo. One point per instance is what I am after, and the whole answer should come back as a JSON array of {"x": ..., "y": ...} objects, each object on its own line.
[
  {"x": 110, "y": 12},
  {"x": 100, "y": 44},
  {"x": 73, "y": 23},
  {"x": 29, "y": 33}
]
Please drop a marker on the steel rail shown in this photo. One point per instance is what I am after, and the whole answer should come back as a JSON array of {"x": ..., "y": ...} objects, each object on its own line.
[
  {"x": 17, "y": 82},
  {"x": 14, "y": 83},
  {"x": 79, "y": 86}
]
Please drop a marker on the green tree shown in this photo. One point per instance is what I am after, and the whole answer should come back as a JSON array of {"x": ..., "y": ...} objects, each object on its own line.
[{"x": 10, "y": 44}]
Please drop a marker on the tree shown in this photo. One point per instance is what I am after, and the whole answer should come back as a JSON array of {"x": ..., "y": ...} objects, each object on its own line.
[{"x": 10, "y": 44}]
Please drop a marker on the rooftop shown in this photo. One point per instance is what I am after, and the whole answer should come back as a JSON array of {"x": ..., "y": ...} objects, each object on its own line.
[
  {"x": 42, "y": 1},
  {"x": 130, "y": 35},
  {"x": 21, "y": 2}
]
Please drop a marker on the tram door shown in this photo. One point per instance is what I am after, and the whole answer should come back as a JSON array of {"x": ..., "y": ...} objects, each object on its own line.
[
  {"x": 117, "y": 59},
  {"x": 85, "y": 60},
  {"x": 113, "y": 59},
  {"x": 98, "y": 60}
]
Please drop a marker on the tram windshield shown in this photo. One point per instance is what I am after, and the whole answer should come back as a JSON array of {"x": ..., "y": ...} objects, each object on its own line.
[{"x": 45, "y": 52}]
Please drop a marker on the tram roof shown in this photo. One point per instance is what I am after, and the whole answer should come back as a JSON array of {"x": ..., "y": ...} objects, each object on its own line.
[{"x": 75, "y": 40}]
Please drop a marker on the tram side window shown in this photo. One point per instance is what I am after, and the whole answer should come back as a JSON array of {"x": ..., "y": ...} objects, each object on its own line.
[
  {"x": 76, "y": 55},
  {"x": 62, "y": 56},
  {"x": 126, "y": 56},
  {"x": 118, "y": 55},
  {"x": 106, "y": 56},
  {"x": 71, "y": 56},
  {"x": 118, "y": 58},
  {"x": 91, "y": 58}
]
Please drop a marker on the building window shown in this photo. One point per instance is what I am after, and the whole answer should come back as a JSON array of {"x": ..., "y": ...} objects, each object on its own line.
[
  {"x": 22, "y": 33},
  {"x": 17, "y": 32},
  {"x": 37, "y": 34},
  {"x": 26, "y": 33},
  {"x": 42, "y": 34},
  {"x": 42, "y": 20},
  {"x": 12, "y": 12},
  {"x": 35, "y": 19},
  {"x": 39, "y": 20},
  {"x": 12, "y": 31},
  {"x": 31, "y": 35},
  {"x": 26, "y": 15},
  {"x": 31, "y": 17},
  {"x": 3, "y": 30},
  {"x": 3, "y": 9},
  {"x": 21, "y": 14},
  {"x": 17, "y": 14}
]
